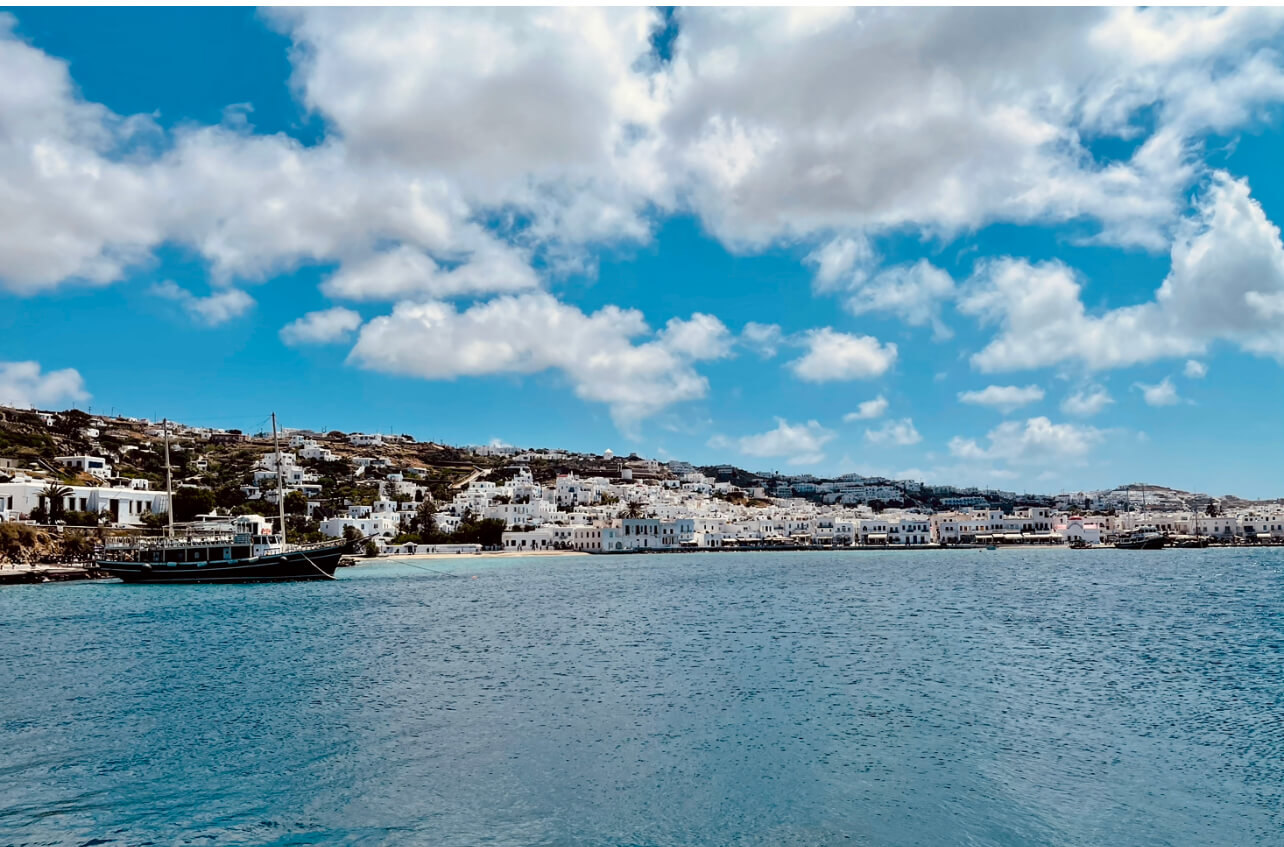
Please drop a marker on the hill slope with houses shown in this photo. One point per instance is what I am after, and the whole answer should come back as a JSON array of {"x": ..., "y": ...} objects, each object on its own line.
[{"x": 74, "y": 469}]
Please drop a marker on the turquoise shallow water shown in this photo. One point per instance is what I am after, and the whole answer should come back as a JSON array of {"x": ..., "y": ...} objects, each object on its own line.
[{"x": 981, "y": 698}]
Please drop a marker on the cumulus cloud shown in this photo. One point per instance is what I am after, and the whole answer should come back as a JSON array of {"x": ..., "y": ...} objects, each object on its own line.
[
  {"x": 900, "y": 433},
  {"x": 840, "y": 259},
  {"x": 763, "y": 339},
  {"x": 563, "y": 127},
  {"x": 212, "y": 310},
  {"x": 799, "y": 444},
  {"x": 321, "y": 327},
  {"x": 1227, "y": 266},
  {"x": 912, "y": 292},
  {"x": 867, "y": 410},
  {"x": 1036, "y": 442},
  {"x": 1086, "y": 402},
  {"x": 1195, "y": 369},
  {"x": 474, "y": 146},
  {"x": 89, "y": 194},
  {"x": 833, "y": 355},
  {"x": 1163, "y": 393},
  {"x": 406, "y": 273},
  {"x": 24, "y": 385},
  {"x": 1005, "y": 398},
  {"x": 529, "y": 333},
  {"x": 793, "y": 122}
]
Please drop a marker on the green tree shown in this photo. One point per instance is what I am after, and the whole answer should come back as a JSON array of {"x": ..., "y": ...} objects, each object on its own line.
[
  {"x": 69, "y": 424},
  {"x": 190, "y": 502},
  {"x": 372, "y": 549},
  {"x": 424, "y": 523},
  {"x": 296, "y": 503},
  {"x": 351, "y": 533},
  {"x": 53, "y": 505}
]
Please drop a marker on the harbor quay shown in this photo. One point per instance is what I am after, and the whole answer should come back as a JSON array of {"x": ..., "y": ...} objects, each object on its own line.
[{"x": 402, "y": 497}]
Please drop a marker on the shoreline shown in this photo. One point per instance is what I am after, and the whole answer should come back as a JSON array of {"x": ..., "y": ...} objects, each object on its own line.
[
  {"x": 898, "y": 548},
  {"x": 464, "y": 557},
  {"x": 29, "y": 574}
]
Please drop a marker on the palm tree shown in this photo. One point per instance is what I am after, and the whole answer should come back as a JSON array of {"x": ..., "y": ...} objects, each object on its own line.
[
  {"x": 52, "y": 501},
  {"x": 633, "y": 510}
]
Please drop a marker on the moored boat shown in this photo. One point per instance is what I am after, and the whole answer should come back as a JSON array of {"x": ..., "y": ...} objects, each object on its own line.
[
  {"x": 241, "y": 549},
  {"x": 238, "y": 556},
  {"x": 1142, "y": 538}
]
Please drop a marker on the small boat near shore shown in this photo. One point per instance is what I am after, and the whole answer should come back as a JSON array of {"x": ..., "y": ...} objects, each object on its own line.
[{"x": 1142, "y": 538}]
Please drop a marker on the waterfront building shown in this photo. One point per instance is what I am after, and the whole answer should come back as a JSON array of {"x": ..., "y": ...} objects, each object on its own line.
[{"x": 120, "y": 505}]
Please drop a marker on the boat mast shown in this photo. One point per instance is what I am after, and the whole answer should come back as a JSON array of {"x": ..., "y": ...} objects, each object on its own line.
[
  {"x": 280, "y": 480},
  {"x": 169, "y": 485}
]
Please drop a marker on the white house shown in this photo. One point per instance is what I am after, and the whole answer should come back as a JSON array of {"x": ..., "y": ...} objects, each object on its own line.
[
  {"x": 377, "y": 523},
  {"x": 92, "y": 465},
  {"x": 123, "y": 506},
  {"x": 1077, "y": 529}
]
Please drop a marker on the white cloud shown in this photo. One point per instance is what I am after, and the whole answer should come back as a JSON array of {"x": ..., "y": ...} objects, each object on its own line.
[
  {"x": 1005, "y": 398},
  {"x": 700, "y": 337},
  {"x": 533, "y": 332},
  {"x": 800, "y": 444},
  {"x": 835, "y": 355},
  {"x": 1036, "y": 442},
  {"x": 763, "y": 339},
  {"x": 22, "y": 384},
  {"x": 913, "y": 292},
  {"x": 70, "y": 211},
  {"x": 1227, "y": 267},
  {"x": 1163, "y": 393},
  {"x": 900, "y": 433},
  {"x": 1195, "y": 369},
  {"x": 871, "y": 119},
  {"x": 212, "y": 310},
  {"x": 868, "y": 410},
  {"x": 1086, "y": 402},
  {"x": 840, "y": 259},
  {"x": 550, "y": 112},
  {"x": 407, "y": 273},
  {"x": 562, "y": 126},
  {"x": 321, "y": 327}
]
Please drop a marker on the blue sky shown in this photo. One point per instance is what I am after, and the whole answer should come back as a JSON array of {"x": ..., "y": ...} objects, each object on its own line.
[{"x": 534, "y": 227}]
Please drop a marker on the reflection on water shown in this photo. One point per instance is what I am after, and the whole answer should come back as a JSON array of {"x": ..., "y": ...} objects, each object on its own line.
[{"x": 990, "y": 698}]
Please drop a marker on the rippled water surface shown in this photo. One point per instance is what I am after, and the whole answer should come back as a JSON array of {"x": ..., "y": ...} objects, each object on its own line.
[{"x": 984, "y": 698}]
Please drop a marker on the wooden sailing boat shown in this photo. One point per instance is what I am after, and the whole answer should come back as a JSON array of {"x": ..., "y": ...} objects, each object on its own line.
[{"x": 242, "y": 550}]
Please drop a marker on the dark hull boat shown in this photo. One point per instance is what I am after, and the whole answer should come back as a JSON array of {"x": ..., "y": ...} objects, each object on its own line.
[
  {"x": 240, "y": 551},
  {"x": 1145, "y": 538},
  {"x": 191, "y": 564},
  {"x": 1141, "y": 544}
]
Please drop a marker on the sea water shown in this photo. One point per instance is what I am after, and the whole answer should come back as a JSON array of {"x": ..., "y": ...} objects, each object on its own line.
[{"x": 1043, "y": 697}]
